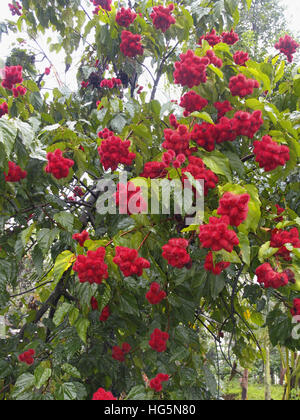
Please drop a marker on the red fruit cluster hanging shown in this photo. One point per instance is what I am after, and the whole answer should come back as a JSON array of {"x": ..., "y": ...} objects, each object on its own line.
[
  {"x": 212, "y": 38},
  {"x": 114, "y": 151},
  {"x": 12, "y": 76},
  {"x": 156, "y": 383},
  {"x": 178, "y": 140},
  {"x": 129, "y": 261},
  {"x": 240, "y": 58},
  {"x": 217, "y": 236},
  {"x": 27, "y": 357},
  {"x": 15, "y": 173},
  {"x": 192, "y": 102},
  {"x": 190, "y": 71},
  {"x": 110, "y": 83},
  {"x": 129, "y": 199},
  {"x": 19, "y": 91},
  {"x": 154, "y": 170},
  {"x": 271, "y": 278},
  {"x": 162, "y": 18},
  {"x": 241, "y": 86},
  {"x": 230, "y": 38},
  {"x": 175, "y": 252},
  {"x": 158, "y": 340},
  {"x": 155, "y": 295},
  {"x": 81, "y": 237},
  {"x": 281, "y": 237},
  {"x": 235, "y": 207},
  {"x": 287, "y": 46},
  {"x": 131, "y": 44},
  {"x": 58, "y": 166},
  {"x": 91, "y": 268},
  {"x": 105, "y": 314},
  {"x": 215, "y": 268},
  {"x": 125, "y": 17},
  {"x": 295, "y": 311},
  {"x": 223, "y": 108},
  {"x": 102, "y": 395},
  {"x": 197, "y": 168},
  {"x": 270, "y": 154},
  {"x": 119, "y": 353},
  {"x": 3, "y": 109}
]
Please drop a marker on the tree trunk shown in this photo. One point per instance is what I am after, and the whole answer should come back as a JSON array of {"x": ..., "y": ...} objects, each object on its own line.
[
  {"x": 268, "y": 395},
  {"x": 244, "y": 385}
]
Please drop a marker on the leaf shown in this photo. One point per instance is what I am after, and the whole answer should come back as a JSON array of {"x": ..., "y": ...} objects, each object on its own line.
[
  {"x": 61, "y": 312},
  {"x": 218, "y": 163},
  {"x": 82, "y": 325},
  {"x": 41, "y": 375},
  {"x": 137, "y": 393},
  {"x": 65, "y": 219},
  {"x": 62, "y": 263},
  {"x": 245, "y": 247},
  {"x": 71, "y": 370},
  {"x": 23, "y": 384}
]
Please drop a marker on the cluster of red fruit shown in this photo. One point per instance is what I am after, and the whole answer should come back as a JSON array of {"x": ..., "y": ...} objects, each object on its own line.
[
  {"x": 131, "y": 44},
  {"x": 114, "y": 151},
  {"x": 162, "y": 18},
  {"x": 119, "y": 353},
  {"x": 280, "y": 238},
  {"x": 129, "y": 262},
  {"x": 155, "y": 295},
  {"x": 241, "y": 86},
  {"x": 211, "y": 265},
  {"x": 213, "y": 39},
  {"x": 178, "y": 140},
  {"x": 223, "y": 108},
  {"x": 156, "y": 383},
  {"x": 192, "y": 102},
  {"x": 154, "y": 170},
  {"x": 58, "y": 166},
  {"x": 198, "y": 170},
  {"x": 102, "y": 395},
  {"x": 125, "y": 17},
  {"x": 129, "y": 200},
  {"x": 287, "y": 46},
  {"x": 270, "y": 154},
  {"x": 16, "y": 8},
  {"x": 158, "y": 340},
  {"x": 295, "y": 311},
  {"x": 217, "y": 236},
  {"x": 175, "y": 252},
  {"x": 81, "y": 237},
  {"x": 15, "y": 173},
  {"x": 190, "y": 71},
  {"x": 271, "y": 278},
  {"x": 235, "y": 207},
  {"x": 213, "y": 59},
  {"x": 12, "y": 76},
  {"x": 3, "y": 109},
  {"x": 104, "y": 4},
  {"x": 27, "y": 357},
  {"x": 19, "y": 91},
  {"x": 240, "y": 58},
  {"x": 91, "y": 268},
  {"x": 110, "y": 83}
]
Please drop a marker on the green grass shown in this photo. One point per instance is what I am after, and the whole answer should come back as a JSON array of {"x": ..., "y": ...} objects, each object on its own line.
[{"x": 256, "y": 392}]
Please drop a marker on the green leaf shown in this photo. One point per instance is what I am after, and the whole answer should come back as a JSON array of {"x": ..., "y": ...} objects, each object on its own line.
[
  {"x": 245, "y": 247},
  {"x": 41, "y": 375},
  {"x": 62, "y": 263},
  {"x": 82, "y": 325},
  {"x": 65, "y": 219},
  {"x": 71, "y": 370},
  {"x": 61, "y": 312}
]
